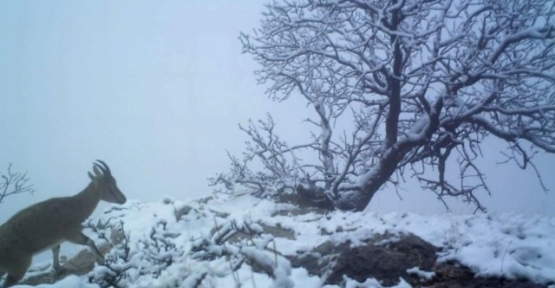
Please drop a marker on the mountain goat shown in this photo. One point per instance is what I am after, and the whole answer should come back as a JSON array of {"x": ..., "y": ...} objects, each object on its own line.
[{"x": 47, "y": 224}]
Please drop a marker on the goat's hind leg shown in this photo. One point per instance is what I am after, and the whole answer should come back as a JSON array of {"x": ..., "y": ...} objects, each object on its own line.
[{"x": 17, "y": 270}]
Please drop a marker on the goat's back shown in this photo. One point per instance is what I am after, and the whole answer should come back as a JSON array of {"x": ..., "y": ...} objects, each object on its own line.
[{"x": 40, "y": 226}]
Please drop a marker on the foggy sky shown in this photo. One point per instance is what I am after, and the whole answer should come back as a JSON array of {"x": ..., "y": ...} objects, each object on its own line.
[{"x": 156, "y": 89}]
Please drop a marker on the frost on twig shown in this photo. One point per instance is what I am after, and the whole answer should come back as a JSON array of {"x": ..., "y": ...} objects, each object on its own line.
[
  {"x": 14, "y": 183},
  {"x": 240, "y": 243},
  {"x": 399, "y": 89},
  {"x": 264, "y": 149},
  {"x": 126, "y": 262}
]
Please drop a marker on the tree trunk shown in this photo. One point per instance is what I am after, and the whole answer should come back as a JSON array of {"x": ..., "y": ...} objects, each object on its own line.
[
  {"x": 379, "y": 175},
  {"x": 357, "y": 200}
]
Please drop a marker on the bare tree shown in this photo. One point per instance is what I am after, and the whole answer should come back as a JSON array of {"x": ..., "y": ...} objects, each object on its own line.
[
  {"x": 424, "y": 82},
  {"x": 14, "y": 183}
]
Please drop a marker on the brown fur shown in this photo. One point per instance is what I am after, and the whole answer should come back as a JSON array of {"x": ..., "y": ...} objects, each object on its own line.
[{"x": 47, "y": 224}]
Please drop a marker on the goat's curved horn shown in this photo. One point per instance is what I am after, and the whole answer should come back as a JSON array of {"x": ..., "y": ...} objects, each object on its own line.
[
  {"x": 98, "y": 171},
  {"x": 105, "y": 169}
]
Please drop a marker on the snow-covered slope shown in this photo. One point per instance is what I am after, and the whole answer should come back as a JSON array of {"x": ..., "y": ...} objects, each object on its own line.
[{"x": 492, "y": 245}]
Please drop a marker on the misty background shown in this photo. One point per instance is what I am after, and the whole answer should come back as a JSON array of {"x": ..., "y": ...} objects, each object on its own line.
[{"x": 157, "y": 89}]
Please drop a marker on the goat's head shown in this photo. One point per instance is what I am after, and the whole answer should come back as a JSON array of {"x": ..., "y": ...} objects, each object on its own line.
[{"x": 106, "y": 183}]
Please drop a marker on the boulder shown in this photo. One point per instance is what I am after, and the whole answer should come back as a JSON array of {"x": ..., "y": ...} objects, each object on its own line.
[{"x": 385, "y": 257}]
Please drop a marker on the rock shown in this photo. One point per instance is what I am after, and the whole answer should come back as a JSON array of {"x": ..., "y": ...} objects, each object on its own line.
[
  {"x": 387, "y": 257},
  {"x": 303, "y": 202},
  {"x": 180, "y": 212},
  {"x": 319, "y": 261},
  {"x": 454, "y": 275},
  {"x": 80, "y": 264},
  {"x": 276, "y": 231},
  {"x": 384, "y": 258},
  {"x": 385, "y": 263}
]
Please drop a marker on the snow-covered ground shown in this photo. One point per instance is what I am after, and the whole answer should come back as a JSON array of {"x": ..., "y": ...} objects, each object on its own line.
[{"x": 507, "y": 245}]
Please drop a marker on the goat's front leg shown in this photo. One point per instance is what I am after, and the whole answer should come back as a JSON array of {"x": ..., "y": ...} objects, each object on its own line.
[
  {"x": 56, "y": 259},
  {"x": 82, "y": 239}
]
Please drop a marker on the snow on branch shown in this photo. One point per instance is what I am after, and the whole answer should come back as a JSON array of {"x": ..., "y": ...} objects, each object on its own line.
[
  {"x": 266, "y": 150},
  {"x": 162, "y": 254},
  {"x": 423, "y": 84}
]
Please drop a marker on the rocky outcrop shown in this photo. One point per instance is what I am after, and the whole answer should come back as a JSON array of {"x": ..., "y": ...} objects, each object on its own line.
[
  {"x": 385, "y": 257},
  {"x": 388, "y": 258}
]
